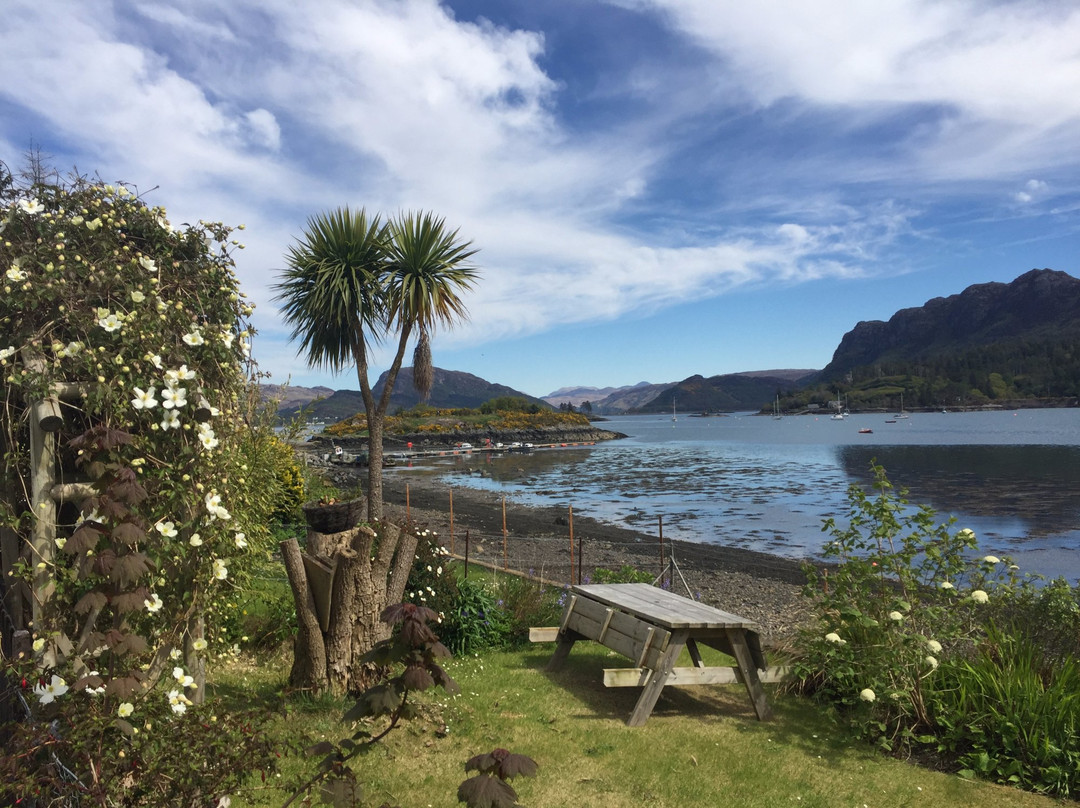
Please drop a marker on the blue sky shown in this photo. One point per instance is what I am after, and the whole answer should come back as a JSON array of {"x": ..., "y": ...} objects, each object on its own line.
[{"x": 658, "y": 188}]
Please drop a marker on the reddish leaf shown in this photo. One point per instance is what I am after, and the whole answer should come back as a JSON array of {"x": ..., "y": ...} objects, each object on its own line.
[
  {"x": 416, "y": 677},
  {"x": 129, "y": 568},
  {"x": 84, "y": 538},
  {"x": 128, "y": 533},
  {"x": 91, "y": 600},
  {"x": 131, "y": 601},
  {"x": 484, "y": 791},
  {"x": 104, "y": 561}
]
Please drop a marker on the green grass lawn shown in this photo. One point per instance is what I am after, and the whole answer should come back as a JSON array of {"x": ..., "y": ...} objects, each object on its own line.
[{"x": 702, "y": 746}]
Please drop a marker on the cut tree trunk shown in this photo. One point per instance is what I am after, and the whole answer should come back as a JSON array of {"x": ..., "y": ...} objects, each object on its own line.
[{"x": 369, "y": 572}]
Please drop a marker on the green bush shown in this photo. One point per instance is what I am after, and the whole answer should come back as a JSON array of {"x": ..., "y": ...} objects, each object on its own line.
[
  {"x": 1011, "y": 714},
  {"x": 901, "y": 591},
  {"x": 626, "y": 574}
]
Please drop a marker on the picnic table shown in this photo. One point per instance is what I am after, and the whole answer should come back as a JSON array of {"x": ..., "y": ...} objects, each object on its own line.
[{"x": 651, "y": 626}]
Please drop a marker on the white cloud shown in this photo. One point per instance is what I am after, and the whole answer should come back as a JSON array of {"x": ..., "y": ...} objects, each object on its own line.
[{"x": 263, "y": 112}]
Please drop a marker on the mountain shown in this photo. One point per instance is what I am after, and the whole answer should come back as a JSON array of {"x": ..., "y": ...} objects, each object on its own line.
[
  {"x": 1039, "y": 305},
  {"x": 991, "y": 342},
  {"x": 450, "y": 389},
  {"x": 288, "y": 396},
  {"x": 594, "y": 395},
  {"x": 630, "y": 398},
  {"x": 726, "y": 393}
]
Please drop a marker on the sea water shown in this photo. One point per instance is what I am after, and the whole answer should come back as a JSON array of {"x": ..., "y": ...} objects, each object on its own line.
[{"x": 765, "y": 484}]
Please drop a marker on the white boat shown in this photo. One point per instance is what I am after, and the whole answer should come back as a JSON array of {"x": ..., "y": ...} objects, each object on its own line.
[
  {"x": 776, "y": 410},
  {"x": 902, "y": 413},
  {"x": 840, "y": 415},
  {"x": 674, "y": 418}
]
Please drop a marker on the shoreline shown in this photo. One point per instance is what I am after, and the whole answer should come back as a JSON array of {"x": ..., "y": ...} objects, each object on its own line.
[{"x": 758, "y": 586}]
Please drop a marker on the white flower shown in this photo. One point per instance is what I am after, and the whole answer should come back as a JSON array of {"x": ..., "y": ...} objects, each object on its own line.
[
  {"x": 214, "y": 506},
  {"x": 967, "y": 534},
  {"x": 934, "y": 646},
  {"x": 147, "y": 263},
  {"x": 178, "y": 702},
  {"x": 194, "y": 337},
  {"x": 170, "y": 419},
  {"x": 227, "y": 337},
  {"x": 144, "y": 399},
  {"x": 137, "y": 296},
  {"x": 198, "y": 644},
  {"x": 207, "y": 437},
  {"x": 175, "y": 653},
  {"x": 947, "y": 585},
  {"x": 221, "y": 571},
  {"x": 153, "y": 603},
  {"x": 896, "y": 616},
  {"x": 15, "y": 272},
  {"x": 31, "y": 207},
  {"x": 60, "y": 542},
  {"x": 94, "y": 225},
  {"x": 991, "y": 559},
  {"x": 73, "y": 348},
  {"x": 835, "y": 638},
  {"x": 173, "y": 397},
  {"x": 166, "y": 529},
  {"x": 53, "y": 690},
  {"x": 39, "y": 643},
  {"x": 867, "y": 695},
  {"x": 180, "y": 375},
  {"x": 932, "y": 662},
  {"x": 195, "y": 540},
  {"x": 7, "y": 352},
  {"x": 125, "y": 709},
  {"x": 111, "y": 322},
  {"x": 979, "y": 596},
  {"x": 241, "y": 540}
]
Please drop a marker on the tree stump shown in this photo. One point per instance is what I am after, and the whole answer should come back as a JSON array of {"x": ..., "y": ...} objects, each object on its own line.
[{"x": 364, "y": 570}]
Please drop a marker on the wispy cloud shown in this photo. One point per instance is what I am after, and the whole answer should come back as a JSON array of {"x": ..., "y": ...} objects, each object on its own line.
[{"x": 766, "y": 143}]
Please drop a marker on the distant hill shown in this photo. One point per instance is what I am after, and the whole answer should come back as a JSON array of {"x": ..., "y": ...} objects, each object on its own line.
[
  {"x": 609, "y": 399},
  {"x": 731, "y": 392},
  {"x": 450, "y": 389},
  {"x": 992, "y": 341},
  {"x": 287, "y": 395}
]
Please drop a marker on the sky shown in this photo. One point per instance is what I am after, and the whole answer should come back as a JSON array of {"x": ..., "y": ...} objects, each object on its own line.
[{"x": 657, "y": 188}]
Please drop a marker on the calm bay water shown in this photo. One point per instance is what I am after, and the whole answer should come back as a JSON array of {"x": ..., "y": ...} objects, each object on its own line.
[{"x": 765, "y": 484}]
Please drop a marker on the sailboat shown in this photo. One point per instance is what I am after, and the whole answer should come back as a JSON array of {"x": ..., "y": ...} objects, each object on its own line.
[
  {"x": 902, "y": 414},
  {"x": 776, "y": 410},
  {"x": 840, "y": 414},
  {"x": 674, "y": 418}
]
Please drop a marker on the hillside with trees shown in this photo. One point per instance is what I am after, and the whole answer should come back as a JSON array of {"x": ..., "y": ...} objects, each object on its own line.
[{"x": 994, "y": 343}]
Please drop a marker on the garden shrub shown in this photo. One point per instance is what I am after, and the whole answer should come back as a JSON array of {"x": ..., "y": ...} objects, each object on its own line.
[
  {"x": 146, "y": 323},
  {"x": 900, "y": 591},
  {"x": 626, "y": 574},
  {"x": 1011, "y": 714}
]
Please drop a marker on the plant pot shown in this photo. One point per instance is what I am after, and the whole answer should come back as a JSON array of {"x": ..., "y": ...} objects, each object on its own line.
[{"x": 333, "y": 518}]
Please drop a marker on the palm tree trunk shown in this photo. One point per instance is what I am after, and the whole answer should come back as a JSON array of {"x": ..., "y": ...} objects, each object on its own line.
[{"x": 375, "y": 458}]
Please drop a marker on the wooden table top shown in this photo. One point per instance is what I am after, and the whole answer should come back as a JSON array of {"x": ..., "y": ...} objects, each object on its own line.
[{"x": 663, "y": 608}]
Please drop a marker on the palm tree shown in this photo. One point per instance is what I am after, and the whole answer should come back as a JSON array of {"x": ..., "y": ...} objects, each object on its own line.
[
  {"x": 351, "y": 280},
  {"x": 426, "y": 274}
]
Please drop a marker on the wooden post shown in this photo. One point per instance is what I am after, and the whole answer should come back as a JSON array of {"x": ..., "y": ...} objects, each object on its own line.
[
  {"x": 505, "y": 560},
  {"x": 660, "y": 522},
  {"x": 571, "y": 578},
  {"x": 466, "y": 552},
  {"x": 452, "y": 527},
  {"x": 406, "y": 502},
  {"x": 43, "y": 507},
  {"x": 580, "y": 555}
]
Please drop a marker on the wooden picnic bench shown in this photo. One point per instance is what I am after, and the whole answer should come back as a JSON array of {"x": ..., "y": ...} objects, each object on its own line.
[{"x": 651, "y": 626}]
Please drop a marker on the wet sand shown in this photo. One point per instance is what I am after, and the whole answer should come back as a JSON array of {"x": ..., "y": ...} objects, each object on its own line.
[{"x": 758, "y": 586}]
